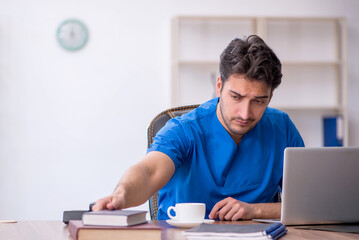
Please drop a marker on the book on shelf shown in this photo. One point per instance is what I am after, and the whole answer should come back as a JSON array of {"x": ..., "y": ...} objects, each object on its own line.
[
  {"x": 333, "y": 128},
  {"x": 145, "y": 231},
  {"x": 235, "y": 231},
  {"x": 114, "y": 217}
]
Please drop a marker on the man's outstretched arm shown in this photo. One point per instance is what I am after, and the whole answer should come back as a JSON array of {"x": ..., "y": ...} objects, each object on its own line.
[{"x": 139, "y": 182}]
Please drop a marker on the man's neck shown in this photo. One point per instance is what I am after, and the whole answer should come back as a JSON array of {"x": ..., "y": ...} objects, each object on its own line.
[{"x": 236, "y": 138}]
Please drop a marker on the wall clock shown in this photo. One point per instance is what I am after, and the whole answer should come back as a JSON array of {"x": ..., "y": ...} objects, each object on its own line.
[{"x": 72, "y": 34}]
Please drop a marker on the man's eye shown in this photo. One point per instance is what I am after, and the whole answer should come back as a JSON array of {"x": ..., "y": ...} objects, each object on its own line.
[
  {"x": 235, "y": 97},
  {"x": 258, "y": 101}
]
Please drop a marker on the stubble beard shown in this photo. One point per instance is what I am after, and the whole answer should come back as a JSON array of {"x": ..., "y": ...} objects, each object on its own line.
[{"x": 233, "y": 130}]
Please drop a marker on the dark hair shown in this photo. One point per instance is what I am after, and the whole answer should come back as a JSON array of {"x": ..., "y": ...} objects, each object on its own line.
[{"x": 252, "y": 58}]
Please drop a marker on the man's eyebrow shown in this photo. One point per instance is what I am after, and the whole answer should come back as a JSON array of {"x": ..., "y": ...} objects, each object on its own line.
[
  {"x": 265, "y": 96},
  {"x": 256, "y": 97}
]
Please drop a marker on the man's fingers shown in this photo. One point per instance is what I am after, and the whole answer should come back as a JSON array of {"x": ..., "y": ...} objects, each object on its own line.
[
  {"x": 223, "y": 213},
  {"x": 238, "y": 215},
  {"x": 214, "y": 212},
  {"x": 227, "y": 212},
  {"x": 100, "y": 204},
  {"x": 117, "y": 202},
  {"x": 230, "y": 209},
  {"x": 111, "y": 202}
]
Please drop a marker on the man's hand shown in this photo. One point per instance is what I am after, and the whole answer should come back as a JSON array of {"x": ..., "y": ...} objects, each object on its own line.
[
  {"x": 112, "y": 202},
  {"x": 232, "y": 209}
]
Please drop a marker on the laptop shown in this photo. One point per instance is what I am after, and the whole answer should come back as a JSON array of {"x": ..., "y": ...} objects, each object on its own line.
[{"x": 320, "y": 185}]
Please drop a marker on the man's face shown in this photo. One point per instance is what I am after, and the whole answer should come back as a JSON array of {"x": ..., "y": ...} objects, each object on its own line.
[{"x": 241, "y": 104}]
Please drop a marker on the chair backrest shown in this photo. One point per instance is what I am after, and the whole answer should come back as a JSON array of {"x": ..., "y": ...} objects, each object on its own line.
[{"x": 156, "y": 124}]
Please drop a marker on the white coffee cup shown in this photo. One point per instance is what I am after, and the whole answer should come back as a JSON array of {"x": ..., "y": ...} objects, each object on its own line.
[{"x": 188, "y": 212}]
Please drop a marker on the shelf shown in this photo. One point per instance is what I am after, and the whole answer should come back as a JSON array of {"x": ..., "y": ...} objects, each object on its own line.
[
  {"x": 284, "y": 63},
  {"x": 196, "y": 35},
  {"x": 312, "y": 63},
  {"x": 302, "y": 39},
  {"x": 308, "y": 108},
  {"x": 312, "y": 52}
]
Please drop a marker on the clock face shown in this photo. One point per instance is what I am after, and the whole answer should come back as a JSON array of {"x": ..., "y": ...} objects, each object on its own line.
[{"x": 72, "y": 34}]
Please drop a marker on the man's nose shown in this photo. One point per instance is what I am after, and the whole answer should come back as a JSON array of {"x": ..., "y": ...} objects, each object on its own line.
[{"x": 244, "y": 110}]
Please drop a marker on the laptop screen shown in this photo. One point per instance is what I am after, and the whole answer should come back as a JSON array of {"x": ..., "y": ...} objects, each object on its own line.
[{"x": 320, "y": 185}]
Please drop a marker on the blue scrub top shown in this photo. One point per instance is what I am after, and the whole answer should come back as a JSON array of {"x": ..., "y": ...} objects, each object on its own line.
[{"x": 209, "y": 164}]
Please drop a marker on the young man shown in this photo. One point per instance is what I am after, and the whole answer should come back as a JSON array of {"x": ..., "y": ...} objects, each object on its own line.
[{"x": 227, "y": 153}]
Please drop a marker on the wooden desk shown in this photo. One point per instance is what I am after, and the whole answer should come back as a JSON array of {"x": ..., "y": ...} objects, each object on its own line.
[{"x": 56, "y": 230}]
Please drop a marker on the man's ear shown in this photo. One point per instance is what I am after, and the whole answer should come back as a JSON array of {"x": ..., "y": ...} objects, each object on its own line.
[
  {"x": 219, "y": 84},
  {"x": 271, "y": 95}
]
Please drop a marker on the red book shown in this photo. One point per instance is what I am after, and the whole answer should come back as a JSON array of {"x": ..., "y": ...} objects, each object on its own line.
[{"x": 146, "y": 231}]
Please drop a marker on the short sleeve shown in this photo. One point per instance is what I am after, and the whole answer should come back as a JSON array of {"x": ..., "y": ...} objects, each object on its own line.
[{"x": 172, "y": 140}]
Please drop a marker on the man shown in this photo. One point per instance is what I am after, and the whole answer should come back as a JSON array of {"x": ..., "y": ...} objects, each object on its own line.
[{"x": 227, "y": 153}]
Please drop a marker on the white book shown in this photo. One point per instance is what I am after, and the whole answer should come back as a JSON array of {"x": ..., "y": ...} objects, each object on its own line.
[{"x": 114, "y": 217}]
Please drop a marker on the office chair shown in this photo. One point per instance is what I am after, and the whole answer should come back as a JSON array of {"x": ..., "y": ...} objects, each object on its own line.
[{"x": 156, "y": 124}]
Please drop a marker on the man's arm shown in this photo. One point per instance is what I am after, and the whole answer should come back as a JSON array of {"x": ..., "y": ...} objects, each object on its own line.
[
  {"x": 139, "y": 182},
  {"x": 232, "y": 209}
]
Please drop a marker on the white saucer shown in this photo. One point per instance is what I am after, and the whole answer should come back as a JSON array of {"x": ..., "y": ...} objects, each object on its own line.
[{"x": 188, "y": 224}]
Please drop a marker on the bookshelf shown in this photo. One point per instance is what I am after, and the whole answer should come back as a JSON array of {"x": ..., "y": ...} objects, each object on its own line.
[{"x": 312, "y": 52}]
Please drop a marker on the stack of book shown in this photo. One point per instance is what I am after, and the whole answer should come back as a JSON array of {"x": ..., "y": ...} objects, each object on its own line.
[
  {"x": 112, "y": 225},
  {"x": 233, "y": 231}
]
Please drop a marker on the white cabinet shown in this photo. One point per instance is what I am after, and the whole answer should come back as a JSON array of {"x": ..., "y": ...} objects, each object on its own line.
[{"x": 312, "y": 52}]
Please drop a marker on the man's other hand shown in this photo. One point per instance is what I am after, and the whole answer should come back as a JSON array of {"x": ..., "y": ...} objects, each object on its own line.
[
  {"x": 232, "y": 209},
  {"x": 112, "y": 202}
]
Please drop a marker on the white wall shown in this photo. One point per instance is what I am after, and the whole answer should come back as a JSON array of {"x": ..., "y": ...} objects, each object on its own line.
[{"x": 72, "y": 122}]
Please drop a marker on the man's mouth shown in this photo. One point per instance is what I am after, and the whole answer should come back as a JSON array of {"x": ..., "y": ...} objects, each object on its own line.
[{"x": 242, "y": 122}]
